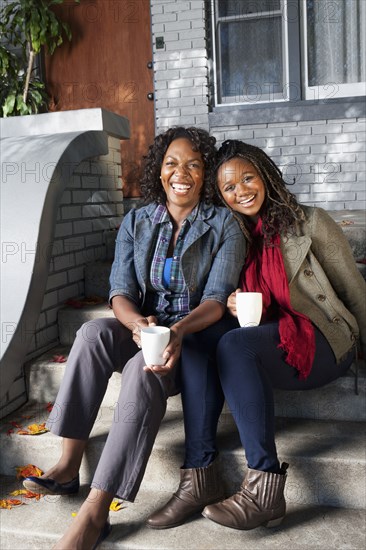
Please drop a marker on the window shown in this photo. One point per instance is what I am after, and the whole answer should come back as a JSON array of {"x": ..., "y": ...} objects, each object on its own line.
[{"x": 286, "y": 50}]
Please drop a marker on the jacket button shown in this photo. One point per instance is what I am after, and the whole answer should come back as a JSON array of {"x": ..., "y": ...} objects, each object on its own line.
[
  {"x": 321, "y": 298},
  {"x": 336, "y": 320},
  {"x": 308, "y": 273}
]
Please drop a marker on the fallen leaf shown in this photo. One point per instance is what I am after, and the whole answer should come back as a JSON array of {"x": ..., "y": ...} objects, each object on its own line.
[
  {"x": 16, "y": 424},
  {"x": 74, "y": 514},
  {"x": 59, "y": 359},
  {"x": 28, "y": 470},
  {"x": 34, "y": 429},
  {"x": 28, "y": 417},
  {"x": 346, "y": 222},
  {"x": 25, "y": 493},
  {"x": 49, "y": 406},
  {"x": 10, "y": 431},
  {"x": 116, "y": 505},
  {"x": 9, "y": 503}
]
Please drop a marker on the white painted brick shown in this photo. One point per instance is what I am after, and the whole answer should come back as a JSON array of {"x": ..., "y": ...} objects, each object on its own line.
[
  {"x": 164, "y": 17},
  {"x": 279, "y": 141},
  {"x": 354, "y": 127},
  {"x": 160, "y": 85},
  {"x": 161, "y": 55},
  {"x": 84, "y": 226},
  {"x": 327, "y": 129},
  {"x": 349, "y": 176},
  {"x": 94, "y": 239},
  {"x": 309, "y": 159},
  {"x": 176, "y": 121},
  {"x": 171, "y": 37},
  {"x": 273, "y": 151},
  {"x": 56, "y": 280},
  {"x": 180, "y": 64},
  {"x": 66, "y": 198},
  {"x": 109, "y": 182},
  {"x": 76, "y": 274},
  {"x": 198, "y": 42},
  {"x": 324, "y": 187},
  {"x": 192, "y": 14},
  {"x": 70, "y": 212},
  {"x": 83, "y": 167},
  {"x": 161, "y": 104},
  {"x": 74, "y": 182},
  {"x": 197, "y": 53},
  {"x": 69, "y": 291},
  {"x": 81, "y": 196},
  {"x": 158, "y": 28},
  {"x": 327, "y": 148},
  {"x": 192, "y": 34},
  {"x": 179, "y": 26},
  {"x": 361, "y": 136},
  {"x": 195, "y": 91},
  {"x": 311, "y": 140},
  {"x": 268, "y": 132},
  {"x": 177, "y": 7},
  {"x": 198, "y": 23},
  {"x": 167, "y": 75},
  {"x": 90, "y": 182},
  {"x": 166, "y": 94},
  {"x": 202, "y": 82},
  {"x": 181, "y": 102},
  {"x": 196, "y": 110},
  {"x": 169, "y": 112},
  {"x": 361, "y": 157},
  {"x": 50, "y": 299},
  {"x": 194, "y": 73},
  {"x": 100, "y": 196},
  {"x": 341, "y": 138},
  {"x": 354, "y": 147},
  {"x": 181, "y": 83},
  {"x": 296, "y": 150},
  {"x": 179, "y": 45},
  {"x": 201, "y": 121},
  {"x": 262, "y": 143},
  {"x": 63, "y": 229},
  {"x": 342, "y": 158},
  {"x": 156, "y": 9},
  {"x": 16, "y": 390},
  {"x": 74, "y": 243},
  {"x": 346, "y": 187},
  {"x": 356, "y": 206},
  {"x": 91, "y": 211},
  {"x": 51, "y": 315},
  {"x": 115, "y": 196},
  {"x": 101, "y": 223},
  {"x": 361, "y": 195},
  {"x": 203, "y": 62},
  {"x": 161, "y": 66}
]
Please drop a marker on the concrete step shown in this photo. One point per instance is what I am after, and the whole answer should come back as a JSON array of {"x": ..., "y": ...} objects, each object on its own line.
[
  {"x": 336, "y": 401},
  {"x": 39, "y": 525},
  {"x": 70, "y": 319},
  {"x": 327, "y": 458}
]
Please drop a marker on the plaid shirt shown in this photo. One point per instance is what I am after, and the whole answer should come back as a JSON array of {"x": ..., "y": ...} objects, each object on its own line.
[{"x": 172, "y": 303}]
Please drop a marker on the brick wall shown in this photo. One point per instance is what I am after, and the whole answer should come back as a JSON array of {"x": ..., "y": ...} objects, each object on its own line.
[
  {"x": 323, "y": 160},
  {"x": 181, "y": 68},
  {"x": 90, "y": 210}
]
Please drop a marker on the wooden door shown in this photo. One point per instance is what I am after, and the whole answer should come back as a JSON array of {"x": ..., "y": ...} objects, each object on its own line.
[{"x": 106, "y": 65}]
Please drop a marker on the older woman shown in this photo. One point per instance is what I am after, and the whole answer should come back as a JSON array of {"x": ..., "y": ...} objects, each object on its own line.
[{"x": 176, "y": 262}]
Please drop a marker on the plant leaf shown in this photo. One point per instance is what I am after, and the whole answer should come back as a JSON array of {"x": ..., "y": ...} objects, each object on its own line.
[{"x": 28, "y": 470}]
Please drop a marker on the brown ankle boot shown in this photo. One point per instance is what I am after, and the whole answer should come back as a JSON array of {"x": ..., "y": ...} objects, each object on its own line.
[
  {"x": 198, "y": 487},
  {"x": 260, "y": 501}
]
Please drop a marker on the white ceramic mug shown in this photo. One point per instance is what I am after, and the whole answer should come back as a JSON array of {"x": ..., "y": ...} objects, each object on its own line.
[
  {"x": 249, "y": 308},
  {"x": 154, "y": 340}
]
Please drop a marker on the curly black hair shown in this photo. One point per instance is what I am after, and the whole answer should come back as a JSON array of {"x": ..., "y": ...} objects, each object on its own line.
[
  {"x": 280, "y": 210},
  {"x": 151, "y": 187}
]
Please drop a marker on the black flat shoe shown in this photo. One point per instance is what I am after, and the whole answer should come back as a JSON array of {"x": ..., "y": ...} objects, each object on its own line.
[
  {"x": 103, "y": 534},
  {"x": 47, "y": 486}
]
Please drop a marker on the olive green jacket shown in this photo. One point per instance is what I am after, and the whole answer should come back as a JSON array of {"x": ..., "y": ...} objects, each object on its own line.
[{"x": 324, "y": 281}]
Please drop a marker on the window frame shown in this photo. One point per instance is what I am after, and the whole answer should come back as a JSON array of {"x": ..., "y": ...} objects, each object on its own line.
[
  {"x": 331, "y": 90},
  {"x": 295, "y": 39}
]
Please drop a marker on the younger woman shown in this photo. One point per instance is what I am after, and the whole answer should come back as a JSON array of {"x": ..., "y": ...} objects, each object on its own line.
[{"x": 313, "y": 318}]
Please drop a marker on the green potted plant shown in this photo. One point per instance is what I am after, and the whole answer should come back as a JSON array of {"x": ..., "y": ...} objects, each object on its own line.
[{"x": 26, "y": 26}]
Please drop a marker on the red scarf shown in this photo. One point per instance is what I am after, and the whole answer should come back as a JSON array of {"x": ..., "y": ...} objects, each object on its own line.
[{"x": 264, "y": 271}]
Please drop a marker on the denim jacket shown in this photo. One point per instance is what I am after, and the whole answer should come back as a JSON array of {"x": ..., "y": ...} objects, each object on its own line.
[{"x": 211, "y": 260}]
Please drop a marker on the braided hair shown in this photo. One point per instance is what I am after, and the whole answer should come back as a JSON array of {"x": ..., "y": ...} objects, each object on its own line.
[
  {"x": 151, "y": 187},
  {"x": 280, "y": 210}
]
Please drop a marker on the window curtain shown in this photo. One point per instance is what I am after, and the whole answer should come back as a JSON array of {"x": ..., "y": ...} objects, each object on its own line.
[{"x": 336, "y": 37}]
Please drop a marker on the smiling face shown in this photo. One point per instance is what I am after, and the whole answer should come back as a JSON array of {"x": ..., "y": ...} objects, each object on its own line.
[
  {"x": 182, "y": 174},
  {"x": 241, "y": 187}
]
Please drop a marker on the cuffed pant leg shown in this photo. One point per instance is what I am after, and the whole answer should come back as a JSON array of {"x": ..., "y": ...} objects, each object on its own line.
[
  {"x": 101, "y": 347},
  {"x": 140, "y": 409}
]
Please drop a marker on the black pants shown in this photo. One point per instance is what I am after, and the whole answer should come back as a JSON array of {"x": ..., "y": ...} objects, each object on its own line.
[{"x": 242, "y": 365}]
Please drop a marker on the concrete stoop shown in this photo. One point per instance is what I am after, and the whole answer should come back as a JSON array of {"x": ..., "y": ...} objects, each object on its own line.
[{"x": 38, "y": 526}]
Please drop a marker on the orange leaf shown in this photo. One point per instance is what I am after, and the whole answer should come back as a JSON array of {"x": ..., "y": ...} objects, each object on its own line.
[
  {"x": 34, "y": 429},
  {"x": 9, "y": 432},
  {"x": 28, "y": 470},
  {"x": 9, "y": 503},
  {"x": 18, "y": 492},
  {"x": 16, "y": 425},
  {"x": 116, "y": 505},
  {"x": 49, "y": 406}
]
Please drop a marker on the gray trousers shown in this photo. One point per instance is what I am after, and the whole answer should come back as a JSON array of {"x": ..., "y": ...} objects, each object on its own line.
[{"x": 101, "y": 347}]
